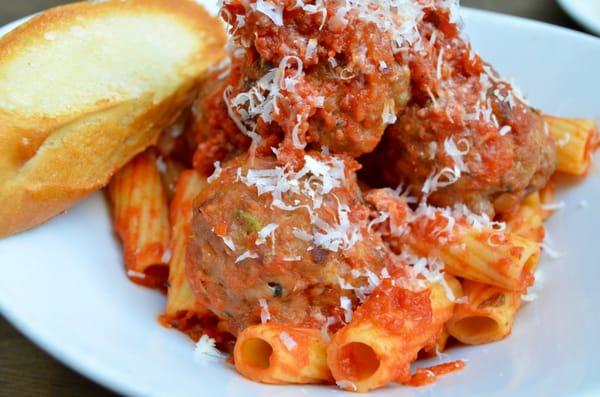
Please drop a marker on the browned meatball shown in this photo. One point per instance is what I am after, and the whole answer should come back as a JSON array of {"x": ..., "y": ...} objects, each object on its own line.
[
  {"x": 246, "y": 248},
  {"x": 466, "y": 135},
  {"x": 498, "y": 170},
  {"x": 337, "y": 85},
  {"x": 356, "y": 112}
]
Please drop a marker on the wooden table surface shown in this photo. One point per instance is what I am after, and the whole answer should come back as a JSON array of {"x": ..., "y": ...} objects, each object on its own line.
[{"x": 25, "y": 370}]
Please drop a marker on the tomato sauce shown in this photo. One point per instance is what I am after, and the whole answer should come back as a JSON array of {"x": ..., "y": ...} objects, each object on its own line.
[{"x": 426, "y": 376}]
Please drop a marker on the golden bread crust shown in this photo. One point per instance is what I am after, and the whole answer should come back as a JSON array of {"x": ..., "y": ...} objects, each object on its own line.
[{"x": 67, "y": 124}]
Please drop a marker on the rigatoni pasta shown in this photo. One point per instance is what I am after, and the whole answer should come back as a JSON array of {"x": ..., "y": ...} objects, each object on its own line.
[
  {"x": 500, "y": 259},
  {"x": 181, "y": 301},
  {"x": 279, "y": 354},
  {"x": 575, "y": 142},
  {"x": 141, "y": 219},
  {"x": 386, "y": 333},
  {"x": 528, "y": 220},
  {"x": 486, "y": 316}
]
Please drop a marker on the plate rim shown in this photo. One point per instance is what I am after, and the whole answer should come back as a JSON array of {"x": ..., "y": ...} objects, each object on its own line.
[
  {"x": 590, "y": 24},
  {"x": 108, "y": 378}
]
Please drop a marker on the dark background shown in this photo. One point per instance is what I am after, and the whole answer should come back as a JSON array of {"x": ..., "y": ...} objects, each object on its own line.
[
  {"x": 545, "y": 10},
  {"x": 25, "y": 370}
]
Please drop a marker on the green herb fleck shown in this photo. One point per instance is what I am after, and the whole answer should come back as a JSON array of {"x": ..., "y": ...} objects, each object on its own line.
[{"x": 251, "y": 223}]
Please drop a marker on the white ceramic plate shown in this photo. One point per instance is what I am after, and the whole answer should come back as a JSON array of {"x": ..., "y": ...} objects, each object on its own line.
[
  {"x": 586, "y": 12},
  {"x": 63, "y": 284}
]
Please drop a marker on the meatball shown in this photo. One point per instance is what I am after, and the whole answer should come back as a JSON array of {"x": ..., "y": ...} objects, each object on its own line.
[
  {"x": 466, "y": 136},
  {"x": 355, "y": 112},
  {"x": 313, "y": 84},
  {"x": 497, "y": 171},
  {"x": 258, "y": 248}
]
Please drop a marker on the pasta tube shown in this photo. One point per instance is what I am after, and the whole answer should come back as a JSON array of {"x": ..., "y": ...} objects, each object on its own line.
[
  {"x": 505, "y": 260},
  {"x": 181, "y": 301},
  {"x": 486, "y": 317},
  {"x": 442, "y": 310},
  {"x": 279, "y": 354},
  {"x": 469, "y": 248},
  {"x": 141, "y": 218},
  {"x": 575, "y": 141},
  {"x": 439, "y": 345},
  {"x": 527, "y": 221},
  {"x": 385, "y": 336}
]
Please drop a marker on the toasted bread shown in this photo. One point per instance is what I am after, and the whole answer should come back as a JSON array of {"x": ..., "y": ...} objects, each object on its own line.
[{"x": 84, "y": 88}]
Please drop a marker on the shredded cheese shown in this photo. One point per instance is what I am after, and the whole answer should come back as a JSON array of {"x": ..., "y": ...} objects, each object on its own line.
[
  {"x": 206, "y": 346},
  {"x": 134, "y": 274},
  {"x": 311, "y": 48},
  {"x": 161, "y": 165},
  {"x": 228, "y": 242},
  {"x": 216, "y": 174},
  {"x": 456, "y": 154},
  {"x": 383, "y": 216},
  {"x": 166, "y": 256},
  {"x": 271, "y": 10},
  {"x": 288, "y": 341},
  {"x": 296, "y": 258},
  {"x": 325, "y": 328},
  {"x": 314, "y": 180},
  {"x": 246, "y": 255},
  {"x": 346, "y": 384},
  {"x": 440, "y": 61},
  {"x": 505, "y": 130},
  {"x": 389, "y": 115},
  {"x": 265, "y": 315},
  {"x": 552, "y": 253},
  {"x": 266, "y": 232},
  {"x": 346, "y": 305},
  {"x": 261, "y": 99},
  {"x": 554, "y": 206}
]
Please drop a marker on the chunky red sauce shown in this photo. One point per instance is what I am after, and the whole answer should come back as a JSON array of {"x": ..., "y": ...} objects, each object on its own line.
[
  {"x": 432, "y": 115},
  {"x": 397, "y": 310},
  {"x": 426, "y": 376}
]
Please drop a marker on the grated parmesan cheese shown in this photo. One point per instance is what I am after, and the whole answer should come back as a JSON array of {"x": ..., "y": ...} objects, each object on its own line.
[
  {"x": 134, "y": 274},
  {"x": 161, "y": 165},
  {"x": 554, "y": 206},
  {"x": 271, "y": 10},
  {"x": 206, "y": 346},
  {"x": 456, "y": 154},
  {"x": 311, "y": 48},
  {"x": 346, "y": 305},
  {"x": 246, "y": 255},
  {"x": 346, "y": 384},
  {"x": 166, "y": 256},
  {"x": 440, "y": 61},
  {"x": 265, "y": 315},
  {"x": 288, "y": 341},
  {"x": 266, "y": 232},
  {"x": 505, "y": 130},
  {"x": 552, "y": 253},
  {"x": 530, "y": 297},
  {"x": 296, "y": 258},
  {"x": 325, "y": 328},
  {"x": 383, "y": 216},
  {"x": 463, "y": 300},
  {"x": 216, "y": 174},
  {"x": 389, "y": 116},
  {"x": 315, "y": 180},
  {"x": 446, "y": 177},
  {"x": 229, "y": 243},
  {"x": 261, "y": 99}
]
